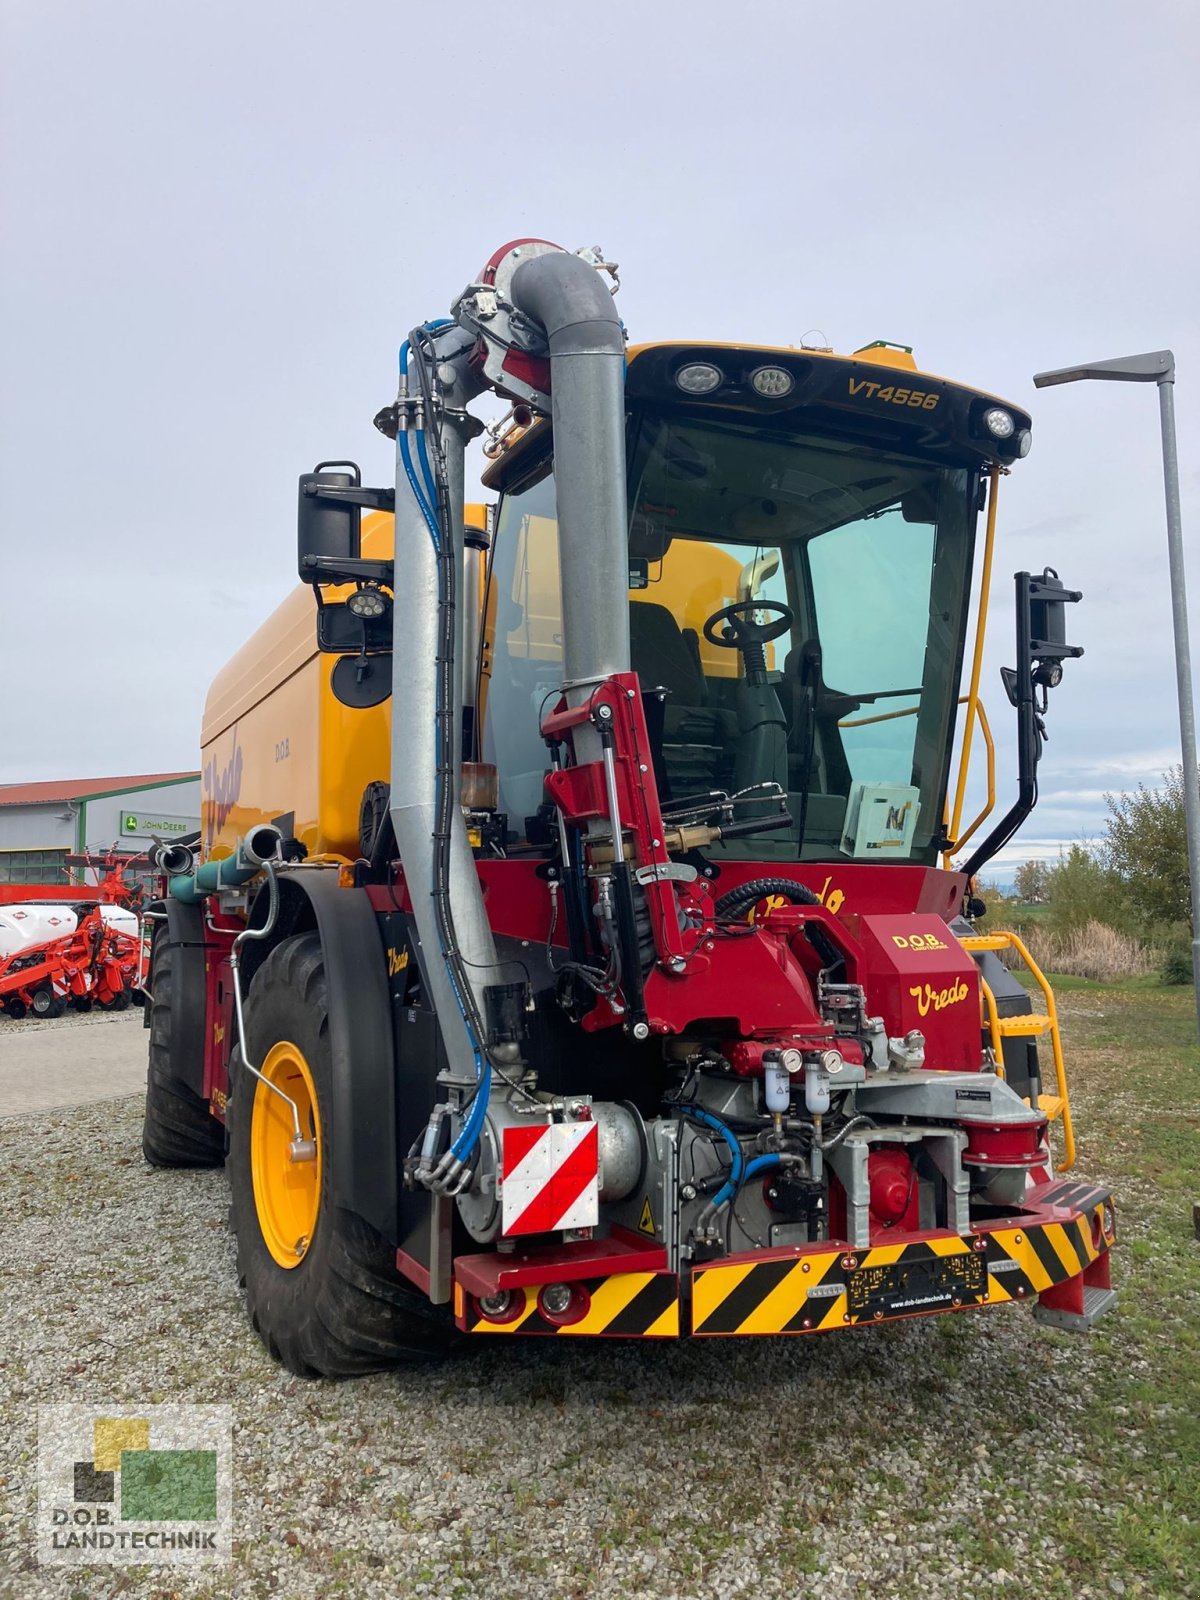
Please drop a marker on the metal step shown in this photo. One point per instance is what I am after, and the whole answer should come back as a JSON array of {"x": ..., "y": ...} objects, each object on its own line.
[
  {"x": 1025, "y": 1026},
  {"x": 984, "y": 941},
  {"x": 1097, "y": 1303},
  {"x": 1052, "y": 1105}
]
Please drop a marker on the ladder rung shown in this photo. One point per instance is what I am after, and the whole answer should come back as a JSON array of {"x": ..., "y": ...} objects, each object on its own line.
[
  {"x": 984, "y": 941},
  {"x": 1052, "y": 1105},
  {"x": 1032, "y": 1023}
]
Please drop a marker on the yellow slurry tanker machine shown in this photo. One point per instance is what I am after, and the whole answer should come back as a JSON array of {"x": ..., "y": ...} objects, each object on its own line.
[{"x": 574, "y": 947}]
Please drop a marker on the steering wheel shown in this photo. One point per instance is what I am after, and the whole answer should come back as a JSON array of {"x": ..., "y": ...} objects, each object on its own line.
[{"x": 741, "y": 630}]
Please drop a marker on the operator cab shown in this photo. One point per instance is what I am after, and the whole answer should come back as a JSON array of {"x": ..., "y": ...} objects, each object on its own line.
[{"x": 798, "y": 602}]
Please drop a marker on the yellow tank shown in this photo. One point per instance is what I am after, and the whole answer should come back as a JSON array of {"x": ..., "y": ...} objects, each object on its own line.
[{"x": 277, "y": 746}]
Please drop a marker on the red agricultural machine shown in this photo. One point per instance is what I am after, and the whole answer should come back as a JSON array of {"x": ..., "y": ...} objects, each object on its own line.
[
  {"x": 584, "y": 940},
  {"x": 56, "y": 953}
]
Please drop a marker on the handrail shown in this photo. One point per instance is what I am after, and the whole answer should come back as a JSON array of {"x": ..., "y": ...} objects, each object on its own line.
[
  {"x": 1009, "y": 940},
  {"x": 990, "y": 802},
  {"x": 989, "y": 742},
  {"x": 988, "y": 1000},
  {"x": 985, "y": 584},
  {"x": 880, "y": 716}
]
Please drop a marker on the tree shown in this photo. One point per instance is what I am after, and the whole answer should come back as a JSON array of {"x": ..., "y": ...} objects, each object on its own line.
[
  {"x": 1146, "y": 845},
  {"x": 1083, "y": 888},
  {"x": 1032, "y": 881}
]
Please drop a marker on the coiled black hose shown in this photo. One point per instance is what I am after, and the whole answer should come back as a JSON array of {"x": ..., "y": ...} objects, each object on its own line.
[{"x": 749, "y": 894}]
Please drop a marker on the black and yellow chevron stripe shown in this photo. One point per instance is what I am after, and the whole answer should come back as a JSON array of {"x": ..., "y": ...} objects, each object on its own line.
[
  {"x": 634, "y": 1304},
  {"x": 827, "y": 1289},
  {"x": 835, "y": 1289},
  {"x": 1024, "y": 1261}
]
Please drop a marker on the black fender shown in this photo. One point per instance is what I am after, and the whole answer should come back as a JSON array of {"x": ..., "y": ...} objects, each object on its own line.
[
  {"x": 366, "y": 1174},
  {"x": 185, "y": 933}
]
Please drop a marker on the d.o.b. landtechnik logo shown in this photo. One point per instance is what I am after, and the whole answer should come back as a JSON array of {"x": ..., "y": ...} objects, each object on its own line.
[{"x": 146, "y": 1486}]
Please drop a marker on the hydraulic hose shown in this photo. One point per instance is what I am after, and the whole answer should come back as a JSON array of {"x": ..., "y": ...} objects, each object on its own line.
[
  {"x": 730, "y": 1138},
  {"x": 732, "y": 1184},
  {"x": 434, "y": 512},
  {"x": 847, "y": 1128},
  {"x": 760, "y": 1164},
  {"x": 749, "y": 894}
]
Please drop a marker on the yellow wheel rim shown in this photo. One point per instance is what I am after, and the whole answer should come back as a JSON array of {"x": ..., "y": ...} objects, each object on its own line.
[{"x": 287, "y": 1193}]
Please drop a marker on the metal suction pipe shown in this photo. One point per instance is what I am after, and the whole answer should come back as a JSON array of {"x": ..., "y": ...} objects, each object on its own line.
[
  {"x": 260, "y": 845},
  {"x": 569, "y": 299}
]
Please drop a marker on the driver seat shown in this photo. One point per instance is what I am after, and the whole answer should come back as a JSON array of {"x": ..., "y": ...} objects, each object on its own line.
[{"x": 698, "y": 739}]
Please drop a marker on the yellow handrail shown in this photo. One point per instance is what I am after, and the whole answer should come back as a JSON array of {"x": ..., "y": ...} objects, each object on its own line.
[
  {"x": 880, "y": 716},
  {"x": 993, "y": 1023},
  {"x": 1009, "y": 940},
  {"x": 985, "y": 585},
  {"x": 990, "y": 743}
]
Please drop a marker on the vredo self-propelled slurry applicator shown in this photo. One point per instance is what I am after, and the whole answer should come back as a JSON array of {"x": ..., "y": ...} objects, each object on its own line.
[{"x": 576, "y": 948}]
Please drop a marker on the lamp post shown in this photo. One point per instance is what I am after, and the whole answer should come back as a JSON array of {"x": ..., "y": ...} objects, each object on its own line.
[{"x": 1158, "y": 366}]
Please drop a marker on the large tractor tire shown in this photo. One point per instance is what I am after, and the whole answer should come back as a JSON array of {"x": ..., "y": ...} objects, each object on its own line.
[
  {"x": 321, "y": 1284},
  {"x": 178, "y": 1130}
]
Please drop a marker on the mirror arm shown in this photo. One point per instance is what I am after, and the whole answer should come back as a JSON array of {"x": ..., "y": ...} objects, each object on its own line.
[
  {"x": 369, "y": 499},
  {"x": 346, "y": 569}
]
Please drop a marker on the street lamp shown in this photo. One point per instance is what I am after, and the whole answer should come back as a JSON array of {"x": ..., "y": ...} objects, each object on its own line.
[{"x": 1158, "y": 366}]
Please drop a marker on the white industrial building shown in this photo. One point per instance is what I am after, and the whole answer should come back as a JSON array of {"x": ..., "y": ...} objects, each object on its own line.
[{"x": 42, "y": 823}]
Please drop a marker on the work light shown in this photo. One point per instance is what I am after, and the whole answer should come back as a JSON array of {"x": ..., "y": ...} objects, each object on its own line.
[
  {"x": 367, "y": 604},
  {"x": 999, "y": 423},
  {"x": 699, "y": 377},
  {"x": 772, "y": 382}
]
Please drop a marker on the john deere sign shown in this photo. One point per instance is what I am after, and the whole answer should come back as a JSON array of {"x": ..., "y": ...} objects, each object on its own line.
[{"x": 136, "y": 825}]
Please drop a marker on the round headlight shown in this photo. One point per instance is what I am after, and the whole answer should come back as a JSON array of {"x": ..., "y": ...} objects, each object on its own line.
[
  {"x": 1024, "y": 442},
  {"x": 999, "y": 423},
  {"x": 772, "y": 382},
  {"x": 366, "y": 604},
  {"x": 556, "y": 1298},
  {"x": 564, "y": 1303},
  {"x": 699, "y": 377}
]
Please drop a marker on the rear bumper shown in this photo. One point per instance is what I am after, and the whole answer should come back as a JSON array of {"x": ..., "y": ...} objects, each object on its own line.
[{"x": 1053, "y": 1252}]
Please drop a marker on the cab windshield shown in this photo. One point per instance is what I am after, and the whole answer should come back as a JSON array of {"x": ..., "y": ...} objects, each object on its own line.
[{"x": 857, "y": 561}]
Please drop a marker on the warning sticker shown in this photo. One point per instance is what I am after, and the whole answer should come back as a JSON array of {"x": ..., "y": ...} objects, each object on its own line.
[
  {"x": 551, "y": 1178},
  {"x": 646, "y": 1220}
]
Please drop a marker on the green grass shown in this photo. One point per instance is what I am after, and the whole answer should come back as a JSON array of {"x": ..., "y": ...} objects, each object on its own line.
[{"x": 1133, "y": 1056}]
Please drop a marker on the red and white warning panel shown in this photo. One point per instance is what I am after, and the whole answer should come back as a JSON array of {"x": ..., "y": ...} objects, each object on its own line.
[{"x": 551, "y": 1178}]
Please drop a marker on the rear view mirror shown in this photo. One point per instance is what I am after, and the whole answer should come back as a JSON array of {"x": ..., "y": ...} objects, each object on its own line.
[
  {"x": 1048, "y": 601},
  {"x": 339, "y": 631},
  {"x": 1041, "y": 634},
  {"x": 327, "y": 527}
]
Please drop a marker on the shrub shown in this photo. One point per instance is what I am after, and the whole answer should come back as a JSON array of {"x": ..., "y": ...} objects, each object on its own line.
[
  {"x": 1176, "y": 964},
  {"x": 1092, "y": 951}
]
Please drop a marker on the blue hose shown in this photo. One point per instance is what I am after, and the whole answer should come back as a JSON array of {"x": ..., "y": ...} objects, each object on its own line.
[
  {"x": 423, "y": 456},
  {"x": 731, "y": 1185},
  {"x": 469, "y": 1134}
]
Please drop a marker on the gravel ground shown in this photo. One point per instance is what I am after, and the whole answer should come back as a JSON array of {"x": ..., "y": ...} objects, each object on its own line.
[
  {"x": 894, "y": 1462},
  {"x": 67, "y": 1061}
]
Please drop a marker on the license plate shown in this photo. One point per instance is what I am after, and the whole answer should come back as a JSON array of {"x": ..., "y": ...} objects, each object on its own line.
[{"x": 924, "y": 1282}]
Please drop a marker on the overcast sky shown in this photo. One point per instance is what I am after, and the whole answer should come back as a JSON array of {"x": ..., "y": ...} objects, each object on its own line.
[{"x": 220, "y": 219}]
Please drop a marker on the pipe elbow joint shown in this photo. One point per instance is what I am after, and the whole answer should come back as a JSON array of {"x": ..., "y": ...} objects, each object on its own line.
[{"x": 567, "y": 297}]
